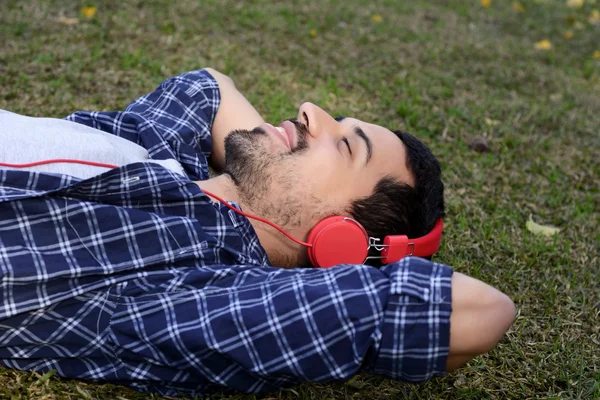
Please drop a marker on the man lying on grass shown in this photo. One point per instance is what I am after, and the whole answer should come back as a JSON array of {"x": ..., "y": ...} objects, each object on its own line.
[{"x": 126, "y": 271}]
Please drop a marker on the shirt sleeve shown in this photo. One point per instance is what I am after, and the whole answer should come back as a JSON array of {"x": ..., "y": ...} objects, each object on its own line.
[
  {"x": 262, "y": 329},
  {"x": 173, "y": 121}
]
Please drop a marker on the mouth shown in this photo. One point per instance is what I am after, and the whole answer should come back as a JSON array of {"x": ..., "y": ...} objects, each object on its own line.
[
  {"x": 290, "y": 130},
  {"x": 283, "y": 132}
]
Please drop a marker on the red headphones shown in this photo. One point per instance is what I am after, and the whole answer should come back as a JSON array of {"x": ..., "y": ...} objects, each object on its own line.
[
  {"x": 342, "y": 240},
  {"x": 332, "y": 241}
]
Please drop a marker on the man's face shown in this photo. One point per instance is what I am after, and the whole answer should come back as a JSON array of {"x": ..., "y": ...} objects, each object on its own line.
[{"x": 313, "y": 167}]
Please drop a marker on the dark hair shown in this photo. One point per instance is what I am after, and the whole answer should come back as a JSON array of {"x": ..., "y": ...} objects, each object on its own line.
[{"x": 397, "y": 208}]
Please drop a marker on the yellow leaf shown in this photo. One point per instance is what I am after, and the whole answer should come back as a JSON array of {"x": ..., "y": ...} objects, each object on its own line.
[
  {"x": 578, "y": 25},
  {"x": 537, "y": 229},
  {"x": 486, "y": 3},
  {"x": 594, "y": 18},
  {"x": 556, "y": 97},
  {"x": 67, "y": 21},
  {"x": 491, "y": 122},
  {"x": 568, "y": 34},
  {"x": 575, "y": 3},
  {"x": 89, "y": 12},
  {"x": 313, "y": 32},
  {"x": 596, "y": 54},
  {"x": 543, "y": 45},
  {"x": 376, "y": 18},
  {"x": 518, "y": 7}
]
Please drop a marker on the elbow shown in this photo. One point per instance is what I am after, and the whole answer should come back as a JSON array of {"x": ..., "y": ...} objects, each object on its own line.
[
  {"x": 220, "y": 77},
  {"x": 507, "y": 312},
  {"x": 500, "y": 314},
  {"x": 480, "y": 318}
]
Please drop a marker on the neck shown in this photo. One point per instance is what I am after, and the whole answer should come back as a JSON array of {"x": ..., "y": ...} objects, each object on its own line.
[
  {"x": 282, "y": 252},
  {"x": 221, "y": 186}
]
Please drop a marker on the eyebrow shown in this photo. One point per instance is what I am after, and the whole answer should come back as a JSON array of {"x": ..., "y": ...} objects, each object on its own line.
[
  {"x": 368, "y": 143},
  {"x": 363, "y": 136}
]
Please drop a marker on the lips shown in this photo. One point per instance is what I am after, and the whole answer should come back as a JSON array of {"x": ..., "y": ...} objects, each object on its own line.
[
  {"x": 290, "y": 131},
  {"x": 281, "y": 133}
]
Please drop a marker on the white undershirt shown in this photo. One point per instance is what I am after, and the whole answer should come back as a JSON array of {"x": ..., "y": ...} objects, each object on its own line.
[{"x": 28, "y": 139}]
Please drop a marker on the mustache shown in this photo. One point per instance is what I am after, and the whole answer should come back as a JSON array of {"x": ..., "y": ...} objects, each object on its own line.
[{"x": 301, "y": 135}]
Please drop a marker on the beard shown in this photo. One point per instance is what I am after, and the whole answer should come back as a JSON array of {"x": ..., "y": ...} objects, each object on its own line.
[{"x": 269, "y": 184}]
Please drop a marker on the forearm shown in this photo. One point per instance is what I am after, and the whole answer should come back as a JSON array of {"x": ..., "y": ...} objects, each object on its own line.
[{"x": 235, "y": 112}]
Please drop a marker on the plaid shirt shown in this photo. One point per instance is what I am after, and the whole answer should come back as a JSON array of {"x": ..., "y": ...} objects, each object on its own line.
[{"x": 136, "y": 277}]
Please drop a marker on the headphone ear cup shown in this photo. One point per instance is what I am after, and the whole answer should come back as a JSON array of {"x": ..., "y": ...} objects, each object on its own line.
[{"x": 337, "y": 240}]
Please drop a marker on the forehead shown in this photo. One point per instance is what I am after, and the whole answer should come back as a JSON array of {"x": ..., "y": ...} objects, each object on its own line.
[{"x": 389, "y": 152}]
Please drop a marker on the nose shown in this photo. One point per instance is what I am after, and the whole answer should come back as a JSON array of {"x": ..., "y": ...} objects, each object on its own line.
[{"x": 317, "y": 120}]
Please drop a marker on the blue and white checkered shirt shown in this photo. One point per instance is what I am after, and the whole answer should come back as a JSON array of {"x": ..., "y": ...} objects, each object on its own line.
[{"x": 136, "y": 277}]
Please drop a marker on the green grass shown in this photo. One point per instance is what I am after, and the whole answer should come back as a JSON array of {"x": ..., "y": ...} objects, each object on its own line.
[{"x": 447, "y": 71}]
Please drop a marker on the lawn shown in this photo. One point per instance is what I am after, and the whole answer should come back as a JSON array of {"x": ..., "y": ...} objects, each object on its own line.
[{"x": 514, "y": 120}]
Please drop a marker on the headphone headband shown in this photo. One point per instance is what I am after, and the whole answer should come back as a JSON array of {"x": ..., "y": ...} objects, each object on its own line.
[{"x": 398, "y": 246}]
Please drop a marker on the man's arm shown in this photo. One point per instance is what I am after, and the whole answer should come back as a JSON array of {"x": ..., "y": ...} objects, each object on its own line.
[
  {"x": 260, "y": 329},
  {"x": 235, "y": 112},
  {"x": 481, "y": 315},
  {"x": 172, "y": 122},
  {"x": 186, "y": 117}
]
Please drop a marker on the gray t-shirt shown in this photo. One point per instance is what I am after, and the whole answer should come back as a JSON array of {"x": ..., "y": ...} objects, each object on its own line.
[{"x": 28, "y": 139}]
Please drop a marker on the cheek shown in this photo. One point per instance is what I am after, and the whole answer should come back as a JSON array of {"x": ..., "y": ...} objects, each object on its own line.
[
  {"x": 321, "y": 168},
  {"x": 328, "y": 177}
]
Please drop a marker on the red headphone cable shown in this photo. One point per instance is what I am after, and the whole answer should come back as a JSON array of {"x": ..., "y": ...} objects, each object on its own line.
[
  {"x": 97, "y": 164},
  {"x": 258, "y": 219},
  {"x": 58, "y": 160}
]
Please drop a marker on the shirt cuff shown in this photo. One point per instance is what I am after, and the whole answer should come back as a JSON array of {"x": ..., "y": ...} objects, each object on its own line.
[{"x": 415, "y": 333}]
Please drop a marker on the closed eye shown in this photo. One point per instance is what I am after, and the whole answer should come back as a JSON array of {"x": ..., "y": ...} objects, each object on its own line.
[{"x": 347, "y": 144}]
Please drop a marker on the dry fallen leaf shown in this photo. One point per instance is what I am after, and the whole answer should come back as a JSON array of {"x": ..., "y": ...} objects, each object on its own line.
[
  {"x": 88, "y": 12},
  {"x": 461, "y": 380},
  {"x": 543, "y": 45},
  {"x": 491, "y": 122},
  {"x": 537, "y": 229},
  {"x": 479, "y": 144},
  {"x": 575, "y": 3},
  {"x": 556, "y": 97},
  {"x": 518, "y": 7},
  {"x": 568, "y": 34},
  {"x": 594, "y": 18},
  {"x": 67, "y": 21}
]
